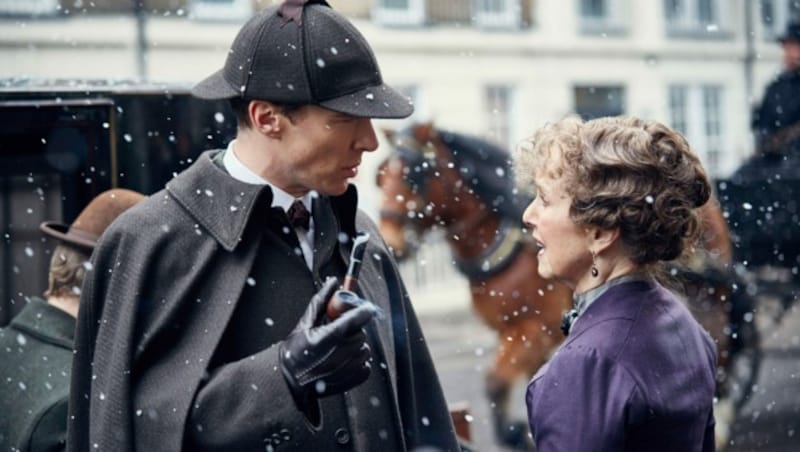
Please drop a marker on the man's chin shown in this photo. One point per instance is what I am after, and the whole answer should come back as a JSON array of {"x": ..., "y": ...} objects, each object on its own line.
[{"x": 334, "y": 190}]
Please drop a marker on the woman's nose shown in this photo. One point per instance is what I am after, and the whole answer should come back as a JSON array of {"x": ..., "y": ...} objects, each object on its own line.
[{"x": 528, "y": 216}]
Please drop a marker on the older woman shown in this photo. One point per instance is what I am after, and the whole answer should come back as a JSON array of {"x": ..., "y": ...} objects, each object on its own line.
[{"x": 615, "y": 197}]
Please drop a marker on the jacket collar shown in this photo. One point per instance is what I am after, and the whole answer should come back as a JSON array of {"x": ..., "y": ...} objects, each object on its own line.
[
  {"x": 219, "y": 203},
  {"x": 223, "y": 205},
  {"x": 46, "y": 323},
  {"x": 623, "y": 300}
]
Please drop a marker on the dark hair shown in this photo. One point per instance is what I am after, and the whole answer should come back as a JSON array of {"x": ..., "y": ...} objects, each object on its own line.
[
  {"x": 627, "y": 173},
  {"x": 240, "y": 107}
]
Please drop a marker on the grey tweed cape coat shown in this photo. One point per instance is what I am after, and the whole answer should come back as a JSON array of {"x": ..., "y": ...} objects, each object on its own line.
[{"x": 167, "y": 276}]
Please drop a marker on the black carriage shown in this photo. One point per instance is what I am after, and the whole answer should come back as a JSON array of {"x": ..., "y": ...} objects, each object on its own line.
[{"x": 63, "y": 142}]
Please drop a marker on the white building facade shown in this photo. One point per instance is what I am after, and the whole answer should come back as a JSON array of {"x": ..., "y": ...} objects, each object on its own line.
[{"x": 494, "y": 68}]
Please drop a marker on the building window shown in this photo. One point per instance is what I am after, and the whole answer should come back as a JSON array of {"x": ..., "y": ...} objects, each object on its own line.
[
  {"x": 601, "y": 17},
  {"x": 677, "y": 107},
  {"x": 692, "y": 17},
  {"x": 776, "y": 14},
  {"x": 712, "y": 98},
  {"x": 696, "y": 111},
  {"x": 598, "y": 101},
  {"x": 499, "y": 109},
  {"x": 497, "y": 13},
  {"x": 30, "y": 7},
  {"x": 220, "y": 10},
  {"x": 399, "y": 12}
]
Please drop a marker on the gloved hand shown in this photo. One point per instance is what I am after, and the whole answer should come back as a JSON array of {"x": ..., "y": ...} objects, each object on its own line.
[{"x": 319, "y": 359}]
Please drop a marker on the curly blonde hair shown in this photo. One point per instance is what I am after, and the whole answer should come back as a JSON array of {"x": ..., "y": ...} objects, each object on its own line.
[
  {"x": 67, "y": 271},
  {"x": 622, "y": 172}
]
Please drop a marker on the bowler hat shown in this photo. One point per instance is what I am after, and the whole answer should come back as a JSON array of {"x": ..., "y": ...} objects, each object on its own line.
[
  {"x": 93, "y": 219},
  {"x": 303, "y": 52},
  {"x": 792, "y": 33}
]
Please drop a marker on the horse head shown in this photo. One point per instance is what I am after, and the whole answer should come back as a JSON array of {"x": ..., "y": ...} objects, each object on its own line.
[
  {"x": 439, "y": 179},
  {"x": 412, "y": 184}
]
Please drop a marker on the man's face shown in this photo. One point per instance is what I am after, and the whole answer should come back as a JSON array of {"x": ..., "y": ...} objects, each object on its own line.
[
  {"x": 322, "y": 150},
  {"x": 791, "y": 55}
]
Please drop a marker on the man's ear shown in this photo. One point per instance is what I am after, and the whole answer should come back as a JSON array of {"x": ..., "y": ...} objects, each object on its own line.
[{"x": 265, "y": 117}]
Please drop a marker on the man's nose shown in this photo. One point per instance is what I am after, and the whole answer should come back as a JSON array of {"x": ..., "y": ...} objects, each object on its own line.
[{"x": 367, "y": 141}]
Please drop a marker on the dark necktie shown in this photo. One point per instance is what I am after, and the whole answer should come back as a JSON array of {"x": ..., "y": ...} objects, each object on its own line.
[{"x": 299, "y": 216}]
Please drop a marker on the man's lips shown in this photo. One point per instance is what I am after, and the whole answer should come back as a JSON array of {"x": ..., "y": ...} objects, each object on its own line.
[{"x": 353, "y": 170}]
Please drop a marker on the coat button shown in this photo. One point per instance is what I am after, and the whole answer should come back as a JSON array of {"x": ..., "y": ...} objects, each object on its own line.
[{"x": 342, "y": 436}]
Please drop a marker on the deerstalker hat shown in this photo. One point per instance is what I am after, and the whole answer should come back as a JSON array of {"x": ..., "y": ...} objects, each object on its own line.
[
  {"x": 792, "y": 33},
  {"x": 93, "y": 219},
  {"x": 303, "y": 52}
]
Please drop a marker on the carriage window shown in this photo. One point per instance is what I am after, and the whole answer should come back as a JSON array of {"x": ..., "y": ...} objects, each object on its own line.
[
  {"x": 696, "y": 111},
  {"x": 54, "y": 156},
  {"x": 498, "y": 108},
  {"x": 598, "y": 101}
]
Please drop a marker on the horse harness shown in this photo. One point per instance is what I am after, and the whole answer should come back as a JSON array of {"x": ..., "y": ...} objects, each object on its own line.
[{"x": 419, "y": 160}]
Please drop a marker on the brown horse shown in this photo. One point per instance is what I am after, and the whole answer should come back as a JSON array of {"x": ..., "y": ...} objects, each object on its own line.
[{"x": 465, "y": 186}]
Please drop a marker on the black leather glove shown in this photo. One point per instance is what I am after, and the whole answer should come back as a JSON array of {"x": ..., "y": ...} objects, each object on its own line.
[{"x": 319, "y": 358}]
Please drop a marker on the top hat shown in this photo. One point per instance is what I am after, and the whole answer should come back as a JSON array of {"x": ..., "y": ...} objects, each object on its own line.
[
  {"x": 792, "y": 33},
  {"x": 93, "y": 219},
  {"x": 304, "y": 52}
]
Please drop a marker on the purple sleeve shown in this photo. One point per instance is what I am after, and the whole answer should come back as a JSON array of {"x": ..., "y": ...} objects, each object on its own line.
[{"x": 580, "y": 402}]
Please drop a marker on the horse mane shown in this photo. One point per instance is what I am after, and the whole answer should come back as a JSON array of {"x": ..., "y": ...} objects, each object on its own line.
[{"x": 487, "y": 169}]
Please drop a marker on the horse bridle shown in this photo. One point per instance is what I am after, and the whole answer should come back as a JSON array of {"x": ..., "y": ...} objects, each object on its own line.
[{"x": 418, "y": 161}]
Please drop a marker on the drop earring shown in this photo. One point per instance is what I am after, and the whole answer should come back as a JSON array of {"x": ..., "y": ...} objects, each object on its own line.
[{"x": 595, "y": 272}]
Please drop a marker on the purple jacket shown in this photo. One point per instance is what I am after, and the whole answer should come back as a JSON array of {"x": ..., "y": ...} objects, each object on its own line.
[{"x": 636, "y": 373}]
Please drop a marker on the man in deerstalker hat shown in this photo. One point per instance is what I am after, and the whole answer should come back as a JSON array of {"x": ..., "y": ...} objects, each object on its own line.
[
  {"x": 37, "y": 343},
  {"x": 207, "y": 327}
]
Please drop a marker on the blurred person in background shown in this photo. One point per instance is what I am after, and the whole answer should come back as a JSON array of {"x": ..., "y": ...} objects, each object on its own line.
[
  {"x": 776, "y": 121},
  {"x": 615, "y": 198},
  {"x": 36, "y": 347}
]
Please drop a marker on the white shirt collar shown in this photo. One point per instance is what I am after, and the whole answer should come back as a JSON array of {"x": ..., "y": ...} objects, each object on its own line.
[{"x": 239, "y": 171}]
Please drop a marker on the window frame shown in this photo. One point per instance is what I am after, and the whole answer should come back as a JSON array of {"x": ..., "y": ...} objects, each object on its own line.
[
  {"x": 620, "y": 88},
  {"x": 702, "y": 124},
  {"x": 613, "y": 22},
  {"x": 687, "y": 22},
  {"x": 781, "y": 16},
  {"x": 30, "y": 7},
  {"x": 509, "y": 17},
  {"x": 415, "y": 13},
  {"x": 500, "y": 124},
  {"x": 220, "y": 11}
]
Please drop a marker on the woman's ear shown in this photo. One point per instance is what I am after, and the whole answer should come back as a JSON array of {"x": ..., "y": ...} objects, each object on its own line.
[
  {"x": 601, "y": 239},
  {"x": 265, "y": 118}
]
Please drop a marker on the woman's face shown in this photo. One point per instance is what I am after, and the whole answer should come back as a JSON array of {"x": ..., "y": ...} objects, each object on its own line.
[{"x": 563, "y": 245}]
